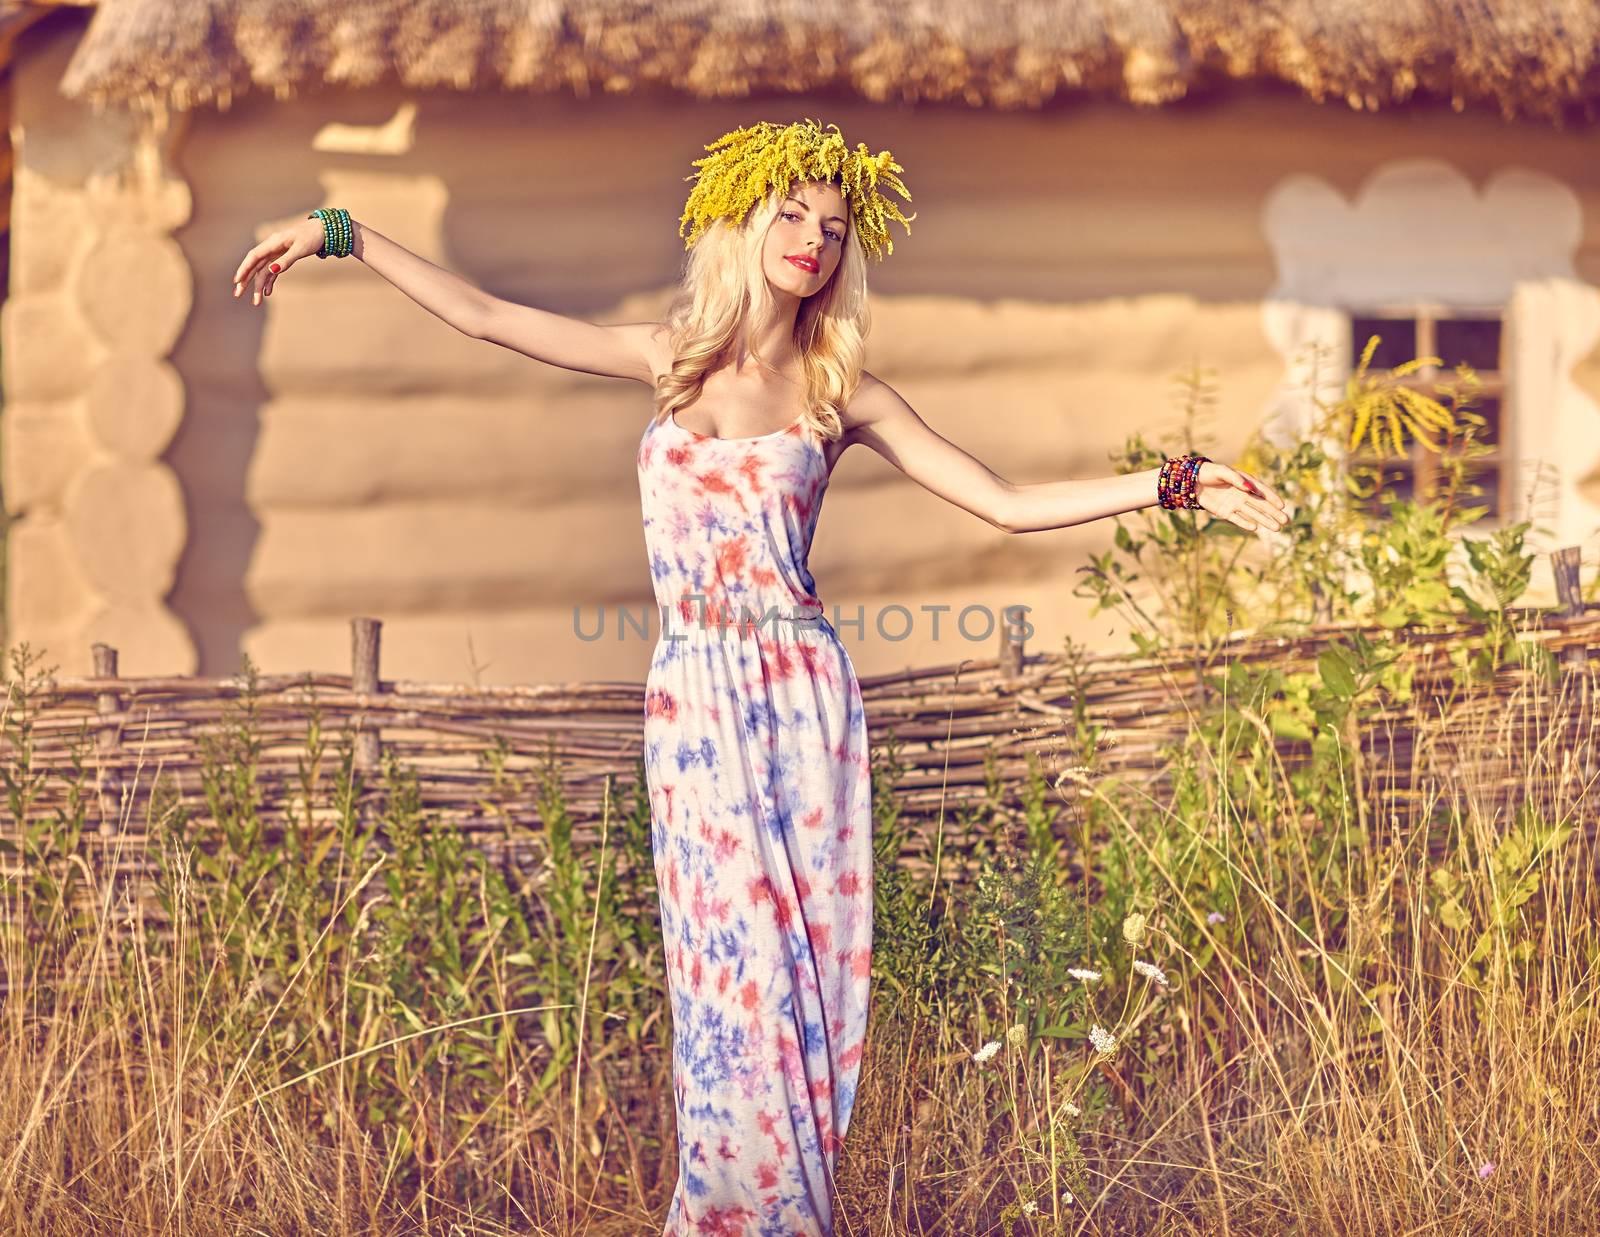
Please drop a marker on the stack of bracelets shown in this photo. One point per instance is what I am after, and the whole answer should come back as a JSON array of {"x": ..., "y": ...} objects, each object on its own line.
[
  {"x": 1176, "y": 488},
  {"x": 338, "y": 234}
]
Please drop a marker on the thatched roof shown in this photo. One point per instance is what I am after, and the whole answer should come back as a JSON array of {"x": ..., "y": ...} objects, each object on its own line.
[{"x": 1526, "y": 57}]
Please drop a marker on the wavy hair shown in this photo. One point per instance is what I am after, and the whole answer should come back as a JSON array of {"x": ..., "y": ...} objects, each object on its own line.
[{"x": 723, "y": 285}]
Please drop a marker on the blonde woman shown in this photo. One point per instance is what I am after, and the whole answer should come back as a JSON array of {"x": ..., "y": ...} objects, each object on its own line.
[{"x": 755, "y": 739}]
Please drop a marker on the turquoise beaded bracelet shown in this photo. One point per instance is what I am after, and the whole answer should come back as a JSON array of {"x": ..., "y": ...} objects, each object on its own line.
[{"x": 338, "y": 235}]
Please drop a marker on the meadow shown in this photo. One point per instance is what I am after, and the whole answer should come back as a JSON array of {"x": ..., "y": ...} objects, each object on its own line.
[{"x": 1334, "y": 971}]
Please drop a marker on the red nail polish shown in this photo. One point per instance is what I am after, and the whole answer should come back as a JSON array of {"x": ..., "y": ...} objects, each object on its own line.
[{"x": 274, "y": 266}]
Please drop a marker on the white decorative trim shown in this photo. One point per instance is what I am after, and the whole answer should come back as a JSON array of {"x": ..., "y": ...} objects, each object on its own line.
[{"x": 1417, "y": 232}]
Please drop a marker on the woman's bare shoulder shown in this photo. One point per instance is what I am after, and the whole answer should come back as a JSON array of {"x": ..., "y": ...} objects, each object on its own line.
[{"x": 866, "y": 403}]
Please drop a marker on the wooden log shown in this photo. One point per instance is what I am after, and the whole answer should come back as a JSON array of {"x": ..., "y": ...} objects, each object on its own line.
[
  {"x": 364, "y": 638},
  {"x": 1566, "y": 565},
  {"x": 107, "y": 743},
  {"x": 1012, "y": 657},
  {"x": 365, "y": 682}
]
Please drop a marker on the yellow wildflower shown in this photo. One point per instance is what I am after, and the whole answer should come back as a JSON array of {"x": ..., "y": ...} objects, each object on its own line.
[{"x": 745, "y": 164}]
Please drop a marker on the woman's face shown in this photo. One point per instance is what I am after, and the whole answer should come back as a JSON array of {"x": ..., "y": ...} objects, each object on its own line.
[{"x": 804, "y": 242}]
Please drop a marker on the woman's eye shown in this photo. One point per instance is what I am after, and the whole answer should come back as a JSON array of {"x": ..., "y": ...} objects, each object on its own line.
[{"x": 789, "y": 214}]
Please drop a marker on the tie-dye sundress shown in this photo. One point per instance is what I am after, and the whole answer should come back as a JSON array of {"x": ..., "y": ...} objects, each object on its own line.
[{"x": 758, "y": 771}]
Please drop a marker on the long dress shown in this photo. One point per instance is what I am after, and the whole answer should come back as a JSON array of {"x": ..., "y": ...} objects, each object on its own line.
[{"x": 758, "y": 774}]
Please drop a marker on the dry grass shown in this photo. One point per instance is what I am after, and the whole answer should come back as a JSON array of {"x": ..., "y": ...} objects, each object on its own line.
[
  {"x": 1359, "y": 1058},
  {"x": 1353, "y": 1044}
]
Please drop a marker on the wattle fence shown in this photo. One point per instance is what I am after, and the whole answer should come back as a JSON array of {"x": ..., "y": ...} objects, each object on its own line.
[{"x": 962, "y": 730}]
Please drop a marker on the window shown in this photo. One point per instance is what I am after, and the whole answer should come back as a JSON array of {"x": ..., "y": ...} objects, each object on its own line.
[{"x": 1454, "y": 337}]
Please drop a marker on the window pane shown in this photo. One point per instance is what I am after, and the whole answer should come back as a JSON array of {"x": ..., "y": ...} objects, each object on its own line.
[
  {"x": 1397, "y": 341},
  {"x": 1485, "y": 406},
  {"x": 1488, "y": 407},
  {"x": 1475, "y": 341},
  {"x": 1399, "y": 482},
  {"x": 1487, "y": 478}
]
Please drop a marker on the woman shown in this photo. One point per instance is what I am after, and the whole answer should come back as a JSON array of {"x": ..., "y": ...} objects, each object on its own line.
[{"x": 755, "y": 739}]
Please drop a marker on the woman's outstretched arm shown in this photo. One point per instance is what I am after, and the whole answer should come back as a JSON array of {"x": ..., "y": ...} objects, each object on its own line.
[
  {"x": 881, "y": 418},
  {"x": 625, "y": 350}
]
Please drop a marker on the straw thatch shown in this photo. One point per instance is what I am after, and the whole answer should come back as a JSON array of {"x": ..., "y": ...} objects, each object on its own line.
[{"x": 1527, "y": 57}]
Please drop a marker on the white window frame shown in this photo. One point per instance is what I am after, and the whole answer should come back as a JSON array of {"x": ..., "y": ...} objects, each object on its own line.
[{"x": 1497, "y": 384}]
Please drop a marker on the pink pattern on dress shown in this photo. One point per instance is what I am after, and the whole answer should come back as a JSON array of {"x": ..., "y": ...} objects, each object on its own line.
[{"x": 757, "y": 765}]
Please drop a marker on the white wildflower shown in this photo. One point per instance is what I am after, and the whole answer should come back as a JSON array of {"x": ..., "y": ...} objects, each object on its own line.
[
  {"x": 1104, "y": 1042},
  {"x": 1075, "y": 773},
  {"x": 987, "y": 1051},
  {"x": 1072, "y": 1110},
  {"x": 1083, "y": 973},
  {"x": 1150, "y": 971},
  {"x": 1029, "y": 1207},
  {"x": 1133, "y": 929},
  {"x": 1066, "y": 1197}
]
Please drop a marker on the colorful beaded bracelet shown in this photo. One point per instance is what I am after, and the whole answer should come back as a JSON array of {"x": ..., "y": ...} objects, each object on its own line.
[
  {"x": 338, "y": 235},
  {"x": 1177, "y": 487},
  {"x": 1176, "y": 491}
]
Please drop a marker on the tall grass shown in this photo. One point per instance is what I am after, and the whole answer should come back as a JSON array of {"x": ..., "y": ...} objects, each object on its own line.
[
  {"x": 1269, "y": 991},
  {"x": 338, "y": 1027}
]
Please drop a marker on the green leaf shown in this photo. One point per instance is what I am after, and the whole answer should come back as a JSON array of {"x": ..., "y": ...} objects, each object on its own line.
[
  {"x": 1336, "y": 673},
  {"x": 1476, "y": 612},
  {"x": 1396, "y": 615},
  {"x": 321, "y": 850},
  {"x": 1287, "y": 725}
]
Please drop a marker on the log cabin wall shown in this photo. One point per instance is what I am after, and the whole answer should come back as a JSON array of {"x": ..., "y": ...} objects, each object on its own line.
[{"x": 192, "y": 478}]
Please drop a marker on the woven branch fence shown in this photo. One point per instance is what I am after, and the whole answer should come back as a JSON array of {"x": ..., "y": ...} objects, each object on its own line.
[{"x": 949, "y": 719}]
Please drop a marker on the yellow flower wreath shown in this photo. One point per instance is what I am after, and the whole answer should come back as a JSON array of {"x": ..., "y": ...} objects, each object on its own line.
[{"x": 746, "y": 163}]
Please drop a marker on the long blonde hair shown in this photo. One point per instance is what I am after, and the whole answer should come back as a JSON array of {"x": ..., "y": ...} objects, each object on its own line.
[{"x": 723, "y": 283}]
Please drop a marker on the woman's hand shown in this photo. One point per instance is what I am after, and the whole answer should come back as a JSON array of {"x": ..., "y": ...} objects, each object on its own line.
[
  {"x": 277, "y": 254},
  {"x": 1240, "y": 498}
]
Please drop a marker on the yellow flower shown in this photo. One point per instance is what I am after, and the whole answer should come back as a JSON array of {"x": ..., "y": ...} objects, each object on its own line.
[{"x": 745, "y": 164}]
